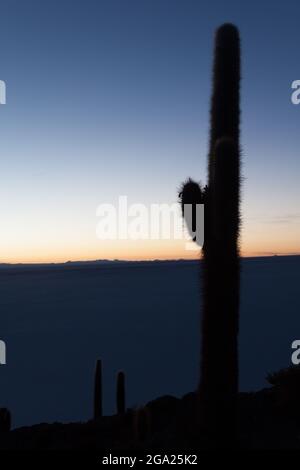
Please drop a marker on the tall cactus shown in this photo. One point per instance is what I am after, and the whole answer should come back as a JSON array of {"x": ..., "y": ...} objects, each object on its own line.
[
  {"x": 98, "y": 390},
  {"x": 219, "y": 355}
]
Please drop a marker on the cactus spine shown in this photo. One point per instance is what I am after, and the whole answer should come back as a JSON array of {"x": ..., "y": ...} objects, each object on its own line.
[
  {"x": 121, "y": 393},
  {"x": 98, "y": 390}
]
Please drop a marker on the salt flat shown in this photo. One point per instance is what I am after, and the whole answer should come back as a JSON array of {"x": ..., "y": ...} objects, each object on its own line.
[{"x": 142, "y": 318}]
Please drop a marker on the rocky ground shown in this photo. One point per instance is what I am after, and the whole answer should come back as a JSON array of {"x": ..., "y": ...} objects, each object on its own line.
[{"x": 269, "y": 419}]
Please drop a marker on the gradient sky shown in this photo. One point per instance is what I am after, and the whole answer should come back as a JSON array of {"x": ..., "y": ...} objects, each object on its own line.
[{"x": 111, "y": 97}]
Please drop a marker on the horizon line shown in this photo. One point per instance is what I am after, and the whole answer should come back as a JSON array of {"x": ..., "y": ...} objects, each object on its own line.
[{"x": 146, "y": 260}]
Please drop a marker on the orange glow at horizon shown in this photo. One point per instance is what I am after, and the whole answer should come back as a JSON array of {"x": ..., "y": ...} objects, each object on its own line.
[
  {"x": 139, "y": 250},
  {"x": 72, "y": 242}
]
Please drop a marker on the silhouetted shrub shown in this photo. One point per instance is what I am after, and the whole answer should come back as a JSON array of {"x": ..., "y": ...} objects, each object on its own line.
[
  {"x": 289, "y": 376},
  {"x": 286, "y": 385}
]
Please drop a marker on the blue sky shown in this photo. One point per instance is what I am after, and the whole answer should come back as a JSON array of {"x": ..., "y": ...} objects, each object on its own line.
[{"x": 109, "y": 98}]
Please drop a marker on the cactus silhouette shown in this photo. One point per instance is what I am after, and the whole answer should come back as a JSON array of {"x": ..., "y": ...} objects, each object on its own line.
[
  {"x": 121, "y": 393},
  {"x": 5, "y": 420},
  {"x": 98, "y": 390},
  {"x": 191, "y": 194},
  {"x": 221, "y": 270}
]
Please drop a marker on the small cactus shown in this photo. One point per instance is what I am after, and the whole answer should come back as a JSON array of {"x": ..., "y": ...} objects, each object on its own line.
[
  {"x": 121, "y": 406},
  {"x": 98, "y": 390}
]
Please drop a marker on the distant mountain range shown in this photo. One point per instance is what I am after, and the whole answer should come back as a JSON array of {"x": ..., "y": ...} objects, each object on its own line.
[{"x": 105, "y": 262}]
